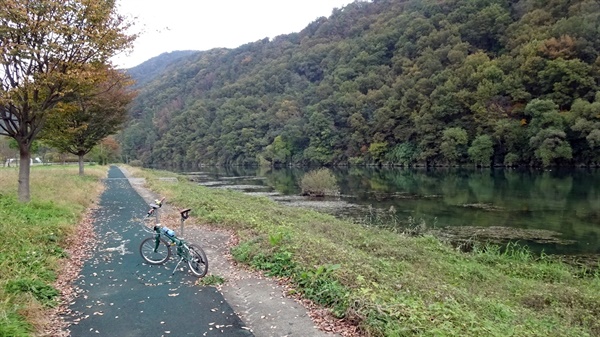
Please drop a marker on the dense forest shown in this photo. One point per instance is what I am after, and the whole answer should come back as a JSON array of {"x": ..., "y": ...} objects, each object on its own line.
[{"x": 391, "y": 82}]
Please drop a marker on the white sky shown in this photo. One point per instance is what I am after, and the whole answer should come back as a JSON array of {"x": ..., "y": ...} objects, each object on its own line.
[{"x": 169, "y": 25}]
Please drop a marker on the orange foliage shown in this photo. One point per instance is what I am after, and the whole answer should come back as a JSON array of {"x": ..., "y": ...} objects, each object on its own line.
[{"x": 563, "y": 47}]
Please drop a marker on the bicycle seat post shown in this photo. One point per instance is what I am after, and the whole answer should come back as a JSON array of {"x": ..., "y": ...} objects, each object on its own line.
[{"x": 182, "y": 220}]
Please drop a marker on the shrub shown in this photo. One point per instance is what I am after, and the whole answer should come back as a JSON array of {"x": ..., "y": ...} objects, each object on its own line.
[
  {"x": 136, "y": 163},
  {"x": 511, "y": 159},
  {"x": 319, "y": 182}
]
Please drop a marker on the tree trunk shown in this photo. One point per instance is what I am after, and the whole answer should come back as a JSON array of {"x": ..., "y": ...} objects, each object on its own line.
[
  {"x": 24, "y": 171},
  {"x": 80, "y": 164}
]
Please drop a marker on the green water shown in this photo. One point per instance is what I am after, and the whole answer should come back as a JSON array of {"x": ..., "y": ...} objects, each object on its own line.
[{"x": 565, "y": 202}]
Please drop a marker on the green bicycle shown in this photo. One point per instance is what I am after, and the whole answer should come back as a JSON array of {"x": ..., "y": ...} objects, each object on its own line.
[{"x": 156, "y": 250}]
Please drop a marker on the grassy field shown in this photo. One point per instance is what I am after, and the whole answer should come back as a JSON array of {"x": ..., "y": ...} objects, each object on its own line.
[
  {"x": 395, "y": 285},
  {"x": 34, "y": 236},
  {"x": 389, "y": 284}
]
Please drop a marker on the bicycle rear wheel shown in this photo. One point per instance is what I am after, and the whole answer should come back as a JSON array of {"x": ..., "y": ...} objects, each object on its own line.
[
  {"x": 198, "y": 262},
  {"x": 153, "y": 253}
]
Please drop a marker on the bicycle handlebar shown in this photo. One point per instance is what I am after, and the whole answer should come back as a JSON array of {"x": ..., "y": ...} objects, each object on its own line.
[
  {"x": 185, "y": 213},
  {"x": 157, "y": 204}
]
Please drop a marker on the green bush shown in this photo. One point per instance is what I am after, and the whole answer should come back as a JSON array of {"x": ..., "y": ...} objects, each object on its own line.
[
  {"x": 319, "y": 182},
  {"x": 136, "y": 163}
]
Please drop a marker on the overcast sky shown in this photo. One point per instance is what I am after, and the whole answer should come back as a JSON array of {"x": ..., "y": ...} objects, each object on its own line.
[{"x": 168, "y": 25}]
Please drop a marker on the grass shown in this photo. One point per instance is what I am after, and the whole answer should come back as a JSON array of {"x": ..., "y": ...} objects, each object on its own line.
[
  {"x": 211, "y": 280},
  {"x": 392, "y": 284},
  {"x": 35, "y": 235},
  {"x": 388, "y": 283}
]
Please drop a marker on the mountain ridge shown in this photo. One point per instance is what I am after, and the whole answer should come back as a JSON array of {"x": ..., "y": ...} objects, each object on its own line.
[{"x": 485, "y": 82}]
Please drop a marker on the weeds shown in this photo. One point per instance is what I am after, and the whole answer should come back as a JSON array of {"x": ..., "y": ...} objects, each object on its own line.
[
  {"x": 42, "y": 291},
  {"x": 390, "y": 221},
  {"x": 278, "y": 264},
  {"x": 211, "y": 280},
  {"x": 319, "y": 285}
]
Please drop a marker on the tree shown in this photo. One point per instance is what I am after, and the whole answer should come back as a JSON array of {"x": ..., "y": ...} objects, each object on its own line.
[
  {"x": 403, "y": 154},
  {"x": 453, "y": 139},
  {"x": 377, "y": 150},
  {"x": 341, "y": 89},
  {"x": 87, "y": 117},
  {"x": 565, "y": 80},
  {"x": 278, "y": 152},
  {"x": 108, "y": 150},
  {"x": 481, "y": 150},
  {"x": 322, "y": 134},
  {"x": 47, "y": 51},
  {"x": 550, "y": 145},
  {"x": 586, "y": 125},
  {"x": 548, "y": 138}
]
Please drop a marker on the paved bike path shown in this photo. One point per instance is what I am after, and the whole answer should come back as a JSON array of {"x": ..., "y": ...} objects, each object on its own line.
[{"x": 122, "y": 297}]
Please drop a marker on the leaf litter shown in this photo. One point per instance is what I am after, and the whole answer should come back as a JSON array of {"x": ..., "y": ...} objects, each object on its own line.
[{"x": 81, "y": 244}]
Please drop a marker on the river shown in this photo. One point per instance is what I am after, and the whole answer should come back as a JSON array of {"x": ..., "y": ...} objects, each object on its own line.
[{"x": 554, "y": 211}]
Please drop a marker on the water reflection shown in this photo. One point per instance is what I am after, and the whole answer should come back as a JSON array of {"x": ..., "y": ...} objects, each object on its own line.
[{"x": 566, "y": 202}]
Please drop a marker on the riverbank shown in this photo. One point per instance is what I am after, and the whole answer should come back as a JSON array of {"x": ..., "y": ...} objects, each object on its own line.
[
  {"x": 393, "y": 284},
  {"x": 384, "y": 283}
]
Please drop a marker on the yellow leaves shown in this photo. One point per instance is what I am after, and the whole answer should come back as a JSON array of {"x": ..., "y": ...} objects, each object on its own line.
[
  {"x": 64, "y": 108},
  {"x": 563, "y": 47}
]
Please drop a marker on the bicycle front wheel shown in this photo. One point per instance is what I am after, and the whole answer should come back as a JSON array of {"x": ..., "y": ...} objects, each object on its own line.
[
  {"x": 153, "y": 252},
  {"x": 198, "y": 262}
]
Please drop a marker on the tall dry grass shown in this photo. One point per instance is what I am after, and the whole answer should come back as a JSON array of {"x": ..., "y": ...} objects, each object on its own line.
[{"x": 47, "y": 181}]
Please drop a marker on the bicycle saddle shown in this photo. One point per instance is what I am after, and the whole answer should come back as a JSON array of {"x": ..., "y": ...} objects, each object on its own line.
[{"x": 185, "y": 213}]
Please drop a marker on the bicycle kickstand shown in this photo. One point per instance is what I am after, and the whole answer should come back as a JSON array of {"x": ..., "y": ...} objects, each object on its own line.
[{"x": 174, "y": 270}]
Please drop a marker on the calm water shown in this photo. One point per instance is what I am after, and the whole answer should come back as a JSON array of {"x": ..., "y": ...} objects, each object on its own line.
[{"x": 564, "y": 202}]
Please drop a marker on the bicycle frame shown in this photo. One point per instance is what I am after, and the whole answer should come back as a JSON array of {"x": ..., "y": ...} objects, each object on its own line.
[
  {"x": 164, "y": 238},
  {"x": 181, "y": 245}
]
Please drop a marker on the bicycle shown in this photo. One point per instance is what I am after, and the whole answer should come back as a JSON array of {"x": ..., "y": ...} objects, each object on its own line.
[{"x": 156, "y": 250}]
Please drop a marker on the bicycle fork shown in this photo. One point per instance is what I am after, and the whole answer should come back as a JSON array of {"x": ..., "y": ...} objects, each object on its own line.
[{"x": 157, "y": 244}]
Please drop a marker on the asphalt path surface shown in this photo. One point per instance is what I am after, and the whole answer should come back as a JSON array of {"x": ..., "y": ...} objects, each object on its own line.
[{"x": 122, "y": 297}]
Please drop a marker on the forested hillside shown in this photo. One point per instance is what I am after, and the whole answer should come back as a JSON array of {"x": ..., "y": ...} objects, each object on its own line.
[
  {"x": 413, "y": 82},
  {"x": 152, "y": 68}
]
